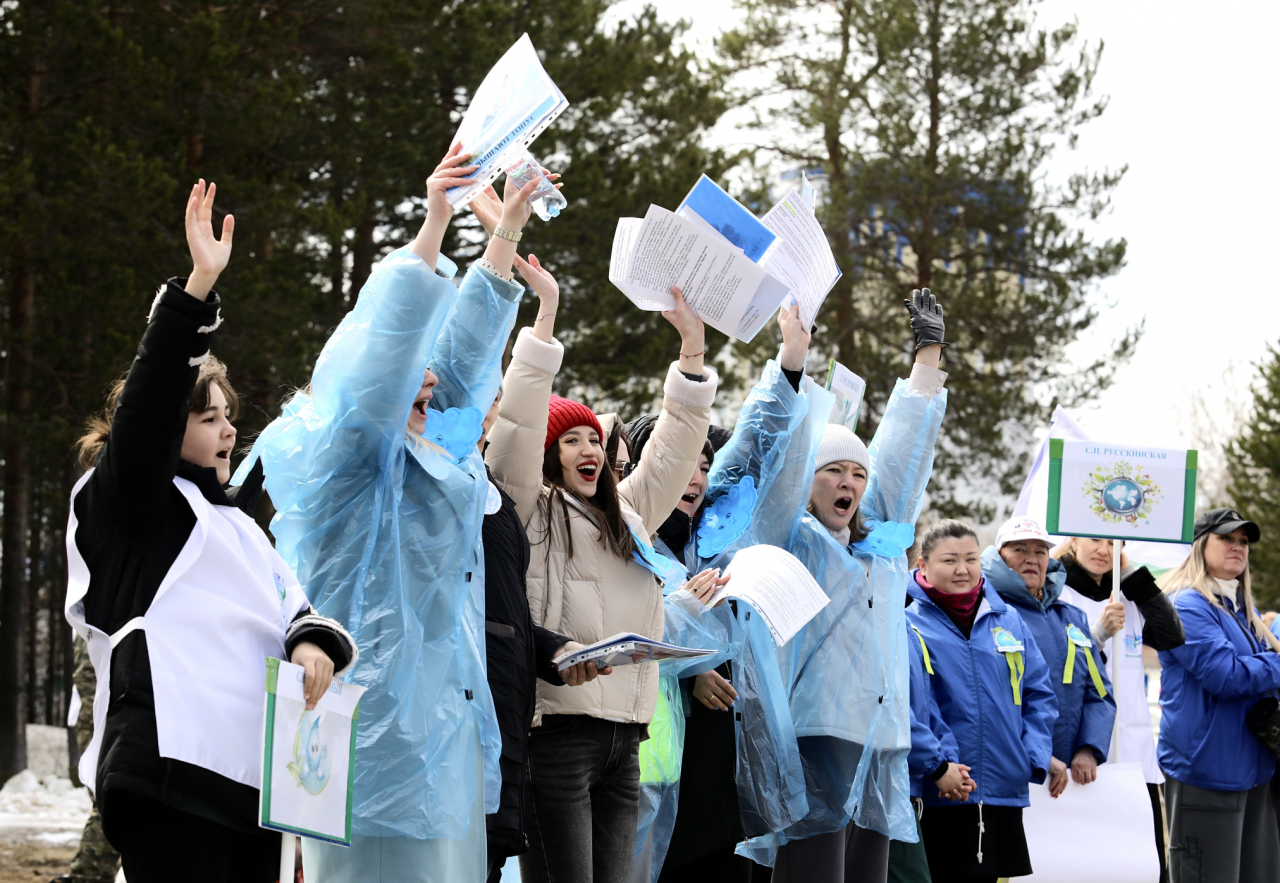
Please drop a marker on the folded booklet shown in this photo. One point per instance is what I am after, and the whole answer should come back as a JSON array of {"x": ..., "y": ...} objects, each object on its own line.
[{"x": 627, "y": 648}]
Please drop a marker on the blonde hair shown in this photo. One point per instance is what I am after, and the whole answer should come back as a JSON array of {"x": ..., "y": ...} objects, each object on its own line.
[{"x": 1193, "y": 573}]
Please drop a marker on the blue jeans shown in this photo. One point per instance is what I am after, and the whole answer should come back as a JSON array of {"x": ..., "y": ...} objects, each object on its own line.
[{"x": 581, "y": 801}]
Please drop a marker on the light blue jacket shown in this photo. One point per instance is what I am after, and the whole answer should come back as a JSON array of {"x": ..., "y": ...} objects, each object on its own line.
[
  {"x": 847, "y": 669},
  {"x": 384, "y": 533}
]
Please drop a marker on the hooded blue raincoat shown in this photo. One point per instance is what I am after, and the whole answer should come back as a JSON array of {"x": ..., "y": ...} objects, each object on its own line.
[
  {"x": 774, "y": 424},
  {"x": 383, "y": 529},
  {"x": 1086, "y": 706},
  {"x": 847, "y": 669},
  {"x": 1004, "y": 736}
]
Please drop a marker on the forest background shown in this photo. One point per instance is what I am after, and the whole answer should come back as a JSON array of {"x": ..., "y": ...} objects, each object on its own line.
[{"x": 930, "y": 121}]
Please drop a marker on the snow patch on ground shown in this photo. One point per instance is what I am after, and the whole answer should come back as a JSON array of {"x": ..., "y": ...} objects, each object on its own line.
[{"x": 51, "y": 805}]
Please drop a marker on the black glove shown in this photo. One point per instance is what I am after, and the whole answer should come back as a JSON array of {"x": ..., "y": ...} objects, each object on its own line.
[{"x": 926, "y": 318}]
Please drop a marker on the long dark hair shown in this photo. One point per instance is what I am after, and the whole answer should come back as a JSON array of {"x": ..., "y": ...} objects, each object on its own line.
[{"x": 603, "y": 508}]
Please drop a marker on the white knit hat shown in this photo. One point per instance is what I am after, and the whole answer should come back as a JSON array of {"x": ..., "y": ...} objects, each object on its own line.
[{"x": 838, "y": 443}]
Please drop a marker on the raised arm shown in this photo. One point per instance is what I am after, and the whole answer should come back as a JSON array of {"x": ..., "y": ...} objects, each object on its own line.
[
  {"x": 778, "y": 429},
  {"x": 654, "y": 488},
  {"x": 518, "y": 438},
  {"x": 468, "y": 355},
  {"x": 902, "y": 449},
  {"x": 133, "y": 476}
]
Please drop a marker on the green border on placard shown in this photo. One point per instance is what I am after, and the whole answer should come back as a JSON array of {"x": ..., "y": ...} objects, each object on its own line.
[
  {"x": 1052, "y": 525},
  {"x": 1055, "y": 485},
  {"x": 268, "y": 748},
  {"x": 268, "y": 740},
  {"x": 1189, "y": 497}
]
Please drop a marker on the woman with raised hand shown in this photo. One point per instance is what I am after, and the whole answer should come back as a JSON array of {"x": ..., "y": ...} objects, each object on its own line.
[
  {"x": 1218, "y": 773},
  {"x": 381, "y": 494},
  {"x": 182, "y": 599},
  {"x": 587, "y": 581},
  {"x": 996, "y": 702},
  {"x": 1142, "y": 616}
]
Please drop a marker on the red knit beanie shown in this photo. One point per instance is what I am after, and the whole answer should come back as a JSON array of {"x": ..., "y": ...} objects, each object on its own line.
[{"x": 563, "y": 415}]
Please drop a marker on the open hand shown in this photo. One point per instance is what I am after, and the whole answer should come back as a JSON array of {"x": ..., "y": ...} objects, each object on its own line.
[
  {"x": 706, "y": 584},
  {"x": 544, "y": 285},
  {"x": 1057, "y": 777},
  {"x": 452, "y": 171},
  {"x": 926, "y": 319},
  {"x": 209, "y": 256},
  {"x": 487, "y": 207},
  {"x": 319, "y": 671},
  {"x": 795, "y": 338},
  {"x": 1084, "y": 766},
  {"x": 714, "y": 691}
]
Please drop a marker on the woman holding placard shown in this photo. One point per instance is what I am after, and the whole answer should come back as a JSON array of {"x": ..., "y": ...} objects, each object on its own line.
[
  {"x": 1222, "y": 821},
  {"x": 993, "y": 693},
  {"x": 182, "y": 599},
  {"x": 586, "y": 581},
  {"x": 1142, "y": 616},
  {"x": 381, "y": 494},
  {"x": 847, "y": 668}
]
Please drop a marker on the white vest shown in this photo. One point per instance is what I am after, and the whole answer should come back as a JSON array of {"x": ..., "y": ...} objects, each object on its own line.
[
  {"x": 221, "y": 610},
  {"x": 1132, "y": 739}
]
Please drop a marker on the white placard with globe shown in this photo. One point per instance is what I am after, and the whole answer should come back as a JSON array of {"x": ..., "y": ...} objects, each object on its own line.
[
  {"x": 1123, "y": 492},
  {"x": 307, "y": 756}
]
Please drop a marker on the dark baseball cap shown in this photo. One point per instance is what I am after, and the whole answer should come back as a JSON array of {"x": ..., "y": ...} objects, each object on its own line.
[{"x": 1225, "y": 521}]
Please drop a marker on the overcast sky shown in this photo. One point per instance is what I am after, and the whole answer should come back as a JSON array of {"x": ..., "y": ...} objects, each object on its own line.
[{"x": 1195, "y": 113}]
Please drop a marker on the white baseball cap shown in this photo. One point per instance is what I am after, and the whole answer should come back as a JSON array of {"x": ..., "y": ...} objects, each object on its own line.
[{"x": 1021, "y": 528}]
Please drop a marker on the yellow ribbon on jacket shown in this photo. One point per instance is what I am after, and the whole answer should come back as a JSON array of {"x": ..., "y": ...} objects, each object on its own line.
[
  {"x": 928, "y": 666},
  {"x": 1075, "y": 636}
]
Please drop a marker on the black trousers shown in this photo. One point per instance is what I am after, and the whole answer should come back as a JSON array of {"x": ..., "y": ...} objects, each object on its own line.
[
  {"x": 853, "y": 855},
  {"x": 160, "y": 844}
]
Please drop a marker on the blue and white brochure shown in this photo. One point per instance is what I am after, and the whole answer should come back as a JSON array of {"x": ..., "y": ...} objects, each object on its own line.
[{"x": 708, "y": 203}]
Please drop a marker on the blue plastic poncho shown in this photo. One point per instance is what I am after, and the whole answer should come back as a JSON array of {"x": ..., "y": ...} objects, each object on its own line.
[
  {"x": 384, "y": 532},
  {"x": 847, "y": 669},
  {"x": 775, "y": 422}
]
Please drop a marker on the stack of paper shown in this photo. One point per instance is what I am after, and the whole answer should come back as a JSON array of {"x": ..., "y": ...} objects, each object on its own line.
[
  {"x": 778, "y": 586},
  {"x": 516, "y": 101},
  {"x": 626, "y": 648},
  {"x": 734, "y": 269}
]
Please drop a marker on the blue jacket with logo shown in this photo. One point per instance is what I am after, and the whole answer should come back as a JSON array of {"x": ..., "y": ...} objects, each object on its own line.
[
  {"x": 1207, "y": 686},
  {"x": 932, "y": 742},
  {"x": 1085, "y": 715},
  {"x": 1007, "y": 745}
]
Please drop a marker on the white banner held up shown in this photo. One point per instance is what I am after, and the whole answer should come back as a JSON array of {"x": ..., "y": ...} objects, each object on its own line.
[{"x": 1102, "y": 832}]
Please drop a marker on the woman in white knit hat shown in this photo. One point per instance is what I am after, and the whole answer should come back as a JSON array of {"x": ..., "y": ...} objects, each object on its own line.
[{"x": 848, "y": 667}]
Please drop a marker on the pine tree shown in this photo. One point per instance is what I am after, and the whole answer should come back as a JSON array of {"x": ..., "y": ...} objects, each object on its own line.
[
  {"x": 1255, "y": 478},
  {"x": 932, "y": 120}
]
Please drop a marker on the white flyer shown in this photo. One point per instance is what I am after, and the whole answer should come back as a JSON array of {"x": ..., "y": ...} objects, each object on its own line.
[
  {"x": 514, "y": 103},
  {"x": 778, "y": 586},
  {"x": 727, "y": 290},
  {"x": 802, "y": 258}
]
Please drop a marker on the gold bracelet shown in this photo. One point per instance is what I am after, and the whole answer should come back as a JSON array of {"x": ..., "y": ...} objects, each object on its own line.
[{"x": 509, "y": 235}]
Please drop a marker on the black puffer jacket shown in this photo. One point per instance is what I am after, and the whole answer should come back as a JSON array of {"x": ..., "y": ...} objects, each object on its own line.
[
  {"x": 517, "y": 652},
  {"x": 132, "y": 523}
]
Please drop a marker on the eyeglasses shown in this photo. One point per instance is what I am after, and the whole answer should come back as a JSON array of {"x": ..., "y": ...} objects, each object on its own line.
[{"x": 622, "y": 470}]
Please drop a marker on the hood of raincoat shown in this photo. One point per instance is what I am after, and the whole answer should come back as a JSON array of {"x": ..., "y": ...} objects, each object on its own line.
[{"x": 1014, "y": 589}]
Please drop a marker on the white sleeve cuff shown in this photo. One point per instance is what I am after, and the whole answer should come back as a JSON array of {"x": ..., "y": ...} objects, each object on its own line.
[
  {"x": 691, "y": 393},
  {"x": 924, "y": 379},
  {"x": 538, "y": 353}
]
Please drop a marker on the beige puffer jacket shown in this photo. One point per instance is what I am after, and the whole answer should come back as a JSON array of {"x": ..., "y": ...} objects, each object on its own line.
[{"x": 594, "y": 594}]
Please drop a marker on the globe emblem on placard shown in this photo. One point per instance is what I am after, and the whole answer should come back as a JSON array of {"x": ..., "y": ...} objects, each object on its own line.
[{"x": 1122, "y": 496}]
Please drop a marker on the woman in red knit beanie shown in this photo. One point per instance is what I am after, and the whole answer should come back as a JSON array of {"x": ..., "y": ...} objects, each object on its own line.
[{"x": 547, "y": 454}]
